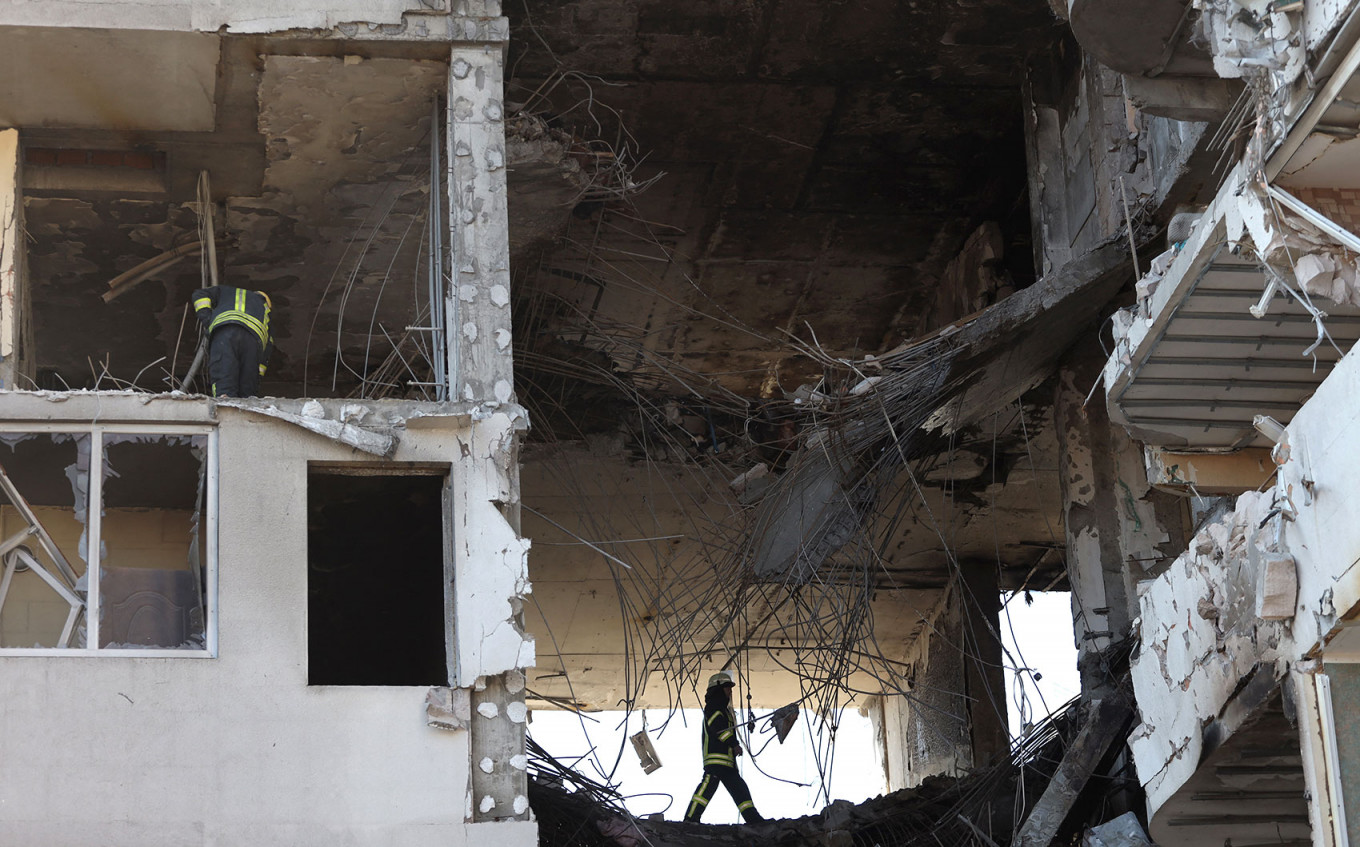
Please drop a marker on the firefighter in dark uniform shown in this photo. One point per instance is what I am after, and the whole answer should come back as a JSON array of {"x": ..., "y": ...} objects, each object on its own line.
[
  {"x": 239, "y": 340},
  {"x": 720, "y": 751}
]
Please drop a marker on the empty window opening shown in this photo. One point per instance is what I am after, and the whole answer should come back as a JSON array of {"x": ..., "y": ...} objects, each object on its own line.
[
  {"x": 1040, "y": 656},
  {"x": 152, "y": 532},
  {"x": 376, "y": 579}
]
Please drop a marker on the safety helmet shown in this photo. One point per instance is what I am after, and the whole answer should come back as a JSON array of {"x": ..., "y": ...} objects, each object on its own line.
[{"x": 720, "y": 678}]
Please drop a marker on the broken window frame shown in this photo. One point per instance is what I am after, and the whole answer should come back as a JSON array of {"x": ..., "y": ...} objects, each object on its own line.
[{"x": 94, "y": 537}]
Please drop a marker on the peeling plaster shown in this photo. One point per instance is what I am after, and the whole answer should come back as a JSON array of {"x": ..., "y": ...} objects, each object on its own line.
[
  {"x": 448, "y": 708},
  {"x": 490, "y": 556},
  {"x": 360, "y": 438},
  {"x": 1200, "y": 638}
]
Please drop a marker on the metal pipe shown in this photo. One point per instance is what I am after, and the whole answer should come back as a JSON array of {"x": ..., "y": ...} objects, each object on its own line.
[
  {"x": 195, "y": 364},
  {"x": 1314, "y": 217},
  {"x": 436, "y": 281}
]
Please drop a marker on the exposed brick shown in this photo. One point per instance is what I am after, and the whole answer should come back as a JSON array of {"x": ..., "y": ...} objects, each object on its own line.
[
  {"x": 141, "y": 161},
  {"x": 106, "y": 158},
  {"x": 72, "y": 157},
  {"x": 40, "y": 156},
  {"x": 1342, "y": 205}
]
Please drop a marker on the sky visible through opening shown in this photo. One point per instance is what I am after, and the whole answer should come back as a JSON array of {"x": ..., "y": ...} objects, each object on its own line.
[{"x": 1037, "y": 636}]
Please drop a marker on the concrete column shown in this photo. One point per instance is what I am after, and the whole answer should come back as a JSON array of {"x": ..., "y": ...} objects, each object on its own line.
[
  {"x": 480, "y": 369},
  {"x": 984, "y": 678},
  {"x": 15, "y": 346},
  {"x": 926, "y": 730},
  {"x": 499, "y": 780},
  {"x": 478, "y": 302},
  {"x": 1119, "y": 529},
  {"x": 953, "y": 716}
]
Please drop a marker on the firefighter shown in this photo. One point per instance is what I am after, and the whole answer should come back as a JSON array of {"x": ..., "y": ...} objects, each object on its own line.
[
  {"x": 239, "y": 340},
  {"x": 721, "y": 748}
]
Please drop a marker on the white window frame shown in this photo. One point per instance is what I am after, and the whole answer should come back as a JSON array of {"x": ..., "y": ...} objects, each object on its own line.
[{"x": 94, "y": 530}]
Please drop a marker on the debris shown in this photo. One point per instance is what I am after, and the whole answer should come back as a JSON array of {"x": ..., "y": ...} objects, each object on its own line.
[
  {"x": 647, "y": 756},
  {"x": 1278, "y": 590},
  {"x": 750, "y": 485},
  {"x": 448, "y": 708},
  {"x": 575, "y": 811},
  {"x": 1123, "y": 831},
  {"x": 783, "y": 720},
  {"x": 1107, "y": 719},
  {"x": 125, "y": 281},
  {"x": 360, "y": 438}
]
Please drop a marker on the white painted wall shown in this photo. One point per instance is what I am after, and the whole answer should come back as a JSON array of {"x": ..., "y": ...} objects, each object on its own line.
[
  {"x": 233, "y": 16},
  {"x": 1322, "y": 17},
  {"x": 1199, "y": 638},
  {"x": 237, "y": 749}
]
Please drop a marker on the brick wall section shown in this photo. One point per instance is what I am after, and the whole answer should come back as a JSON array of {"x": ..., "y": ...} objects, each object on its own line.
[{"x": 1342, "y": 205}]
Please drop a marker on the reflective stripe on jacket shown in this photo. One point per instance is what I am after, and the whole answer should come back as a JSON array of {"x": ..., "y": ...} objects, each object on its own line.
[
  {"x": 223, "y": 304},
  {"x": 720, "y": 738}
]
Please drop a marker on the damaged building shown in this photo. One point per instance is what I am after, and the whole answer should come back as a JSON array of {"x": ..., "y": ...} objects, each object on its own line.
[{"x": 792, "y": 337}]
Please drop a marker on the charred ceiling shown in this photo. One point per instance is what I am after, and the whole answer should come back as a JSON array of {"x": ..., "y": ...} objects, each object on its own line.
[
  {"x": 807, "y": 168},
  {"x": 820, "y": 165}
]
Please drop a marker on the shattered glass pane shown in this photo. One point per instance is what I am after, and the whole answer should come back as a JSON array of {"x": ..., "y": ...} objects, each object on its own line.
[
  {"x": 151, "y": 577},
  {"x": 42, "y": 536}
]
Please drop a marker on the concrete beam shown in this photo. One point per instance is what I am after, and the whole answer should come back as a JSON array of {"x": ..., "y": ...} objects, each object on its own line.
[
  {"x": 1183, "y": 98},
  {"x": 490, "y": 557},
  {"x": 1139, "y": 36},
  {"x": 387, "y": 18},
  {"x": 15, "y": 344},
  {"x": 1209, "y": 474}
]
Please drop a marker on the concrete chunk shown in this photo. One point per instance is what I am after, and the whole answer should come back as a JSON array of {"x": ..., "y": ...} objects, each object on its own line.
[
  {"x": 1277, "y": 591},
  {"x": 448, "y": 708}
]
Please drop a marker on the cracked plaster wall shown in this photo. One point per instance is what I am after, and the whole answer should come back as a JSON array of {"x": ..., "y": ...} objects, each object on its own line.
[
  {"x": 1200, "y": 634},
  {"x": 1199, "y": 638},
  {"x": 490, "y": 557}
]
